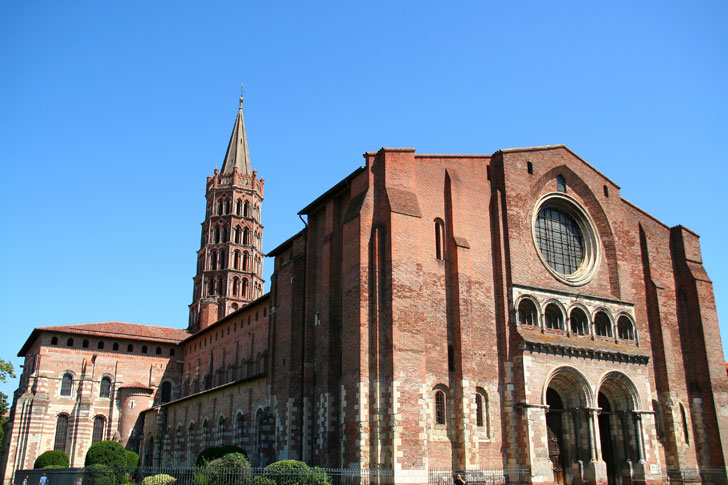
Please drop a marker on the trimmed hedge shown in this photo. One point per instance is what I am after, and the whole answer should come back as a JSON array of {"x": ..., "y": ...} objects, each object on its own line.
[
  {"x": 209, "y": 454},
  {"x": 160, "y": 479},
  {"x": 109, "y": 453},
  {"x": 229, "y": 468},
  {"x": 132, "y": 459},
  {"x": 55, "y": 458},
  {"x": 99, "y": 474},
  {"x": 283, "y": 471}
]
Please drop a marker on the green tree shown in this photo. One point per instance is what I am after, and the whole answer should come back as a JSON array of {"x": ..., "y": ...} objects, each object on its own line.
[
  {"x": 51, "y": 458},
  {"x": 6, "y": 370}
]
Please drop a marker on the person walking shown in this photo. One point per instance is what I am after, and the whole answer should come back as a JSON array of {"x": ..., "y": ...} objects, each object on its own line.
[{"x": 43, "y": 480}]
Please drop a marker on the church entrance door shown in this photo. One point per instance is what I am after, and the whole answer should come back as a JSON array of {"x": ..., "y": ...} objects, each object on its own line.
[{"x": 555, "y": 434}]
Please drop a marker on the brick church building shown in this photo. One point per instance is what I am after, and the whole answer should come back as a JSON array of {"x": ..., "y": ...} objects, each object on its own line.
[{"x": 451, "y": 312}]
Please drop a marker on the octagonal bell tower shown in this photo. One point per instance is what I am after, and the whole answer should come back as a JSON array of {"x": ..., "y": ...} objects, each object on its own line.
[{"x": 230, "y": 260}]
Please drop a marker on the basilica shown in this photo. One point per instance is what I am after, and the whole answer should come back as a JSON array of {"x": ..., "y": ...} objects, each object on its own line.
[{"x": 455, "y": 312}]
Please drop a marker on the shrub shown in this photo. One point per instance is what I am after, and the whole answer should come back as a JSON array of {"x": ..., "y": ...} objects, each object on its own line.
[
  {"x": 160, "y": 479},
  {"x": 53, "y": 466},
  {"x": 132, "y": 459},
  {"x": 109, "y": 453},
  {"x": 209, "y": 454},
  {"x": 261, "y": 480},
  {"x": 98, "y": 474},
  {"x": 55, "y": 458},
  {"x": 284, "y": 471},
  {"x": 229, "y": 468}
]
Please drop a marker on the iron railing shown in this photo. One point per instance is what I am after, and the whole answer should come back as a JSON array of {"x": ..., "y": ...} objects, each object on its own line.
[{"x": 261, "y": 476}]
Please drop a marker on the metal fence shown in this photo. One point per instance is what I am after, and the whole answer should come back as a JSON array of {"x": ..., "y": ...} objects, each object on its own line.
[
  {"x": 489, "y": 476},
  {"x": 261, "y": 476}
]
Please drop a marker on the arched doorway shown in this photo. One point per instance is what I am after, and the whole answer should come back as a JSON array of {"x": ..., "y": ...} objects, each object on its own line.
[
  {"x": 620, "y": 428},
  {"x": 568, "y": 425},
  {"x": 555, "y": 433}
]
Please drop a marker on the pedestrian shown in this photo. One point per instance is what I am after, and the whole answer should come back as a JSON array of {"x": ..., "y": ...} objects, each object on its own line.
[
  {"x": 459, "y": 480},
  {"x": 43, "y": 480},
  {"x": 25, "y": 480}
]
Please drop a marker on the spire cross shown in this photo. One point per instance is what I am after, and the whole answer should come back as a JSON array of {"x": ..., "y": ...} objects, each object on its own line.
[{"x": 241, "y": 94}]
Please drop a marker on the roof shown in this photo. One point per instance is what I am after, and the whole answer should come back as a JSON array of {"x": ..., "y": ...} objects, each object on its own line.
[
  {"x": 237, "y": 155},
  {"x": 134, "y": 385},
  {"x": 120, "y": 330},
  {"x": 332, "y": 191},
  {"x": 227, "y": 318},
  {"x": 282, "y": 246},
  {"x": 554, "y": 147}
]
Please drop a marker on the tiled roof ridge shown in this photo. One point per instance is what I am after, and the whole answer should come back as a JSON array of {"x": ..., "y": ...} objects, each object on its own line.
[{"x": 122, "y": 329}]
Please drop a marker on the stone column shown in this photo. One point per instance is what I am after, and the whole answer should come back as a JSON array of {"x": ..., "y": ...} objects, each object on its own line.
[{"x": 596, "y": 470}]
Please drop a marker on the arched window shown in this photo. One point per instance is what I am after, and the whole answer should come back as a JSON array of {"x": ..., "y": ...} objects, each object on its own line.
[
  {"x": 479, "y": 419},
  {"x": 54, "y": 341},
  {"x": 560, "y": 183},
  {"x": 245, "y": 288},
  {"x": 166, "y": 392},
  {"x": 116, "y": 346},
  {"x": 246, "y": 261},
  {"x": 240, "y": 428},
  {"x": 228, "y": 206},
  {"x": 222, "y": 260},
  {"x": 602, "y": 325},
  {"x": 238, "y": 207},
  {"x": 105, "y": 387},
  {"x": 61, "y": 432},
  {"x": 554, "y": 319},
  {"x": 439, "y": 407},
  {"x": 171, "y": 352},
  {"x": 149, "y": 452},
  {"x": 98, "y": 433},
  {"x": 210, "y": 287},
  {"x": 205, "y": 434},
  {"x": 220, "y": 431},
  {"x": 482, "y": 410},
  {"x": 220, "y": 287},
  {"x": 158, "y": 351},
  {"x": 66, "y": 384},
  {"x": 100, "y": 345},
  {"x": 625, "y": 329},
  {"x": 237, "y": 235},
  {"x": 216, "y": 235},
  {"x": 213, "y": 260},
  {"x": 579, "y": 324},
  {"x": 246, "y": 236},
  {"x": 439, "y": 239},
  {"x": 130, "y": 348},
  {"x": 69, "y": 342},
  {"x": 237, "y": 260},
  {"x": 84, "y": 344},
  {"x": 246, "y": 209},
  {"x": 236, "y": 284},
  {"x": 144, "y": 349},
  {"x": 219, "y": 207},
  {"x": 527, "y": 314},
  {"x": 225, "y": 234}
]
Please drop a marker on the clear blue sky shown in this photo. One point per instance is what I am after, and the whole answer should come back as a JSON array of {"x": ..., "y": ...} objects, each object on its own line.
[{"x": 113, "y": 113}]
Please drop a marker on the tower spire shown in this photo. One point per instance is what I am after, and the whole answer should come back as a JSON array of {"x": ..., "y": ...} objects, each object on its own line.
[{"x": 237, "y": 155}]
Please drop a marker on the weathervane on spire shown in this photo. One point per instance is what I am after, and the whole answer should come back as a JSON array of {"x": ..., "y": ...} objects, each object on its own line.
[{"x": 241, "y": 94}]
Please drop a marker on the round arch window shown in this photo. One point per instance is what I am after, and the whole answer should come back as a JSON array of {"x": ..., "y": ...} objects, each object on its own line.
[{"x": 565, "y": 239}]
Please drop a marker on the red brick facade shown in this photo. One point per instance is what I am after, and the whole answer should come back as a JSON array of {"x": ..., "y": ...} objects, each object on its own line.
[{"x": 437, "y": 311}]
